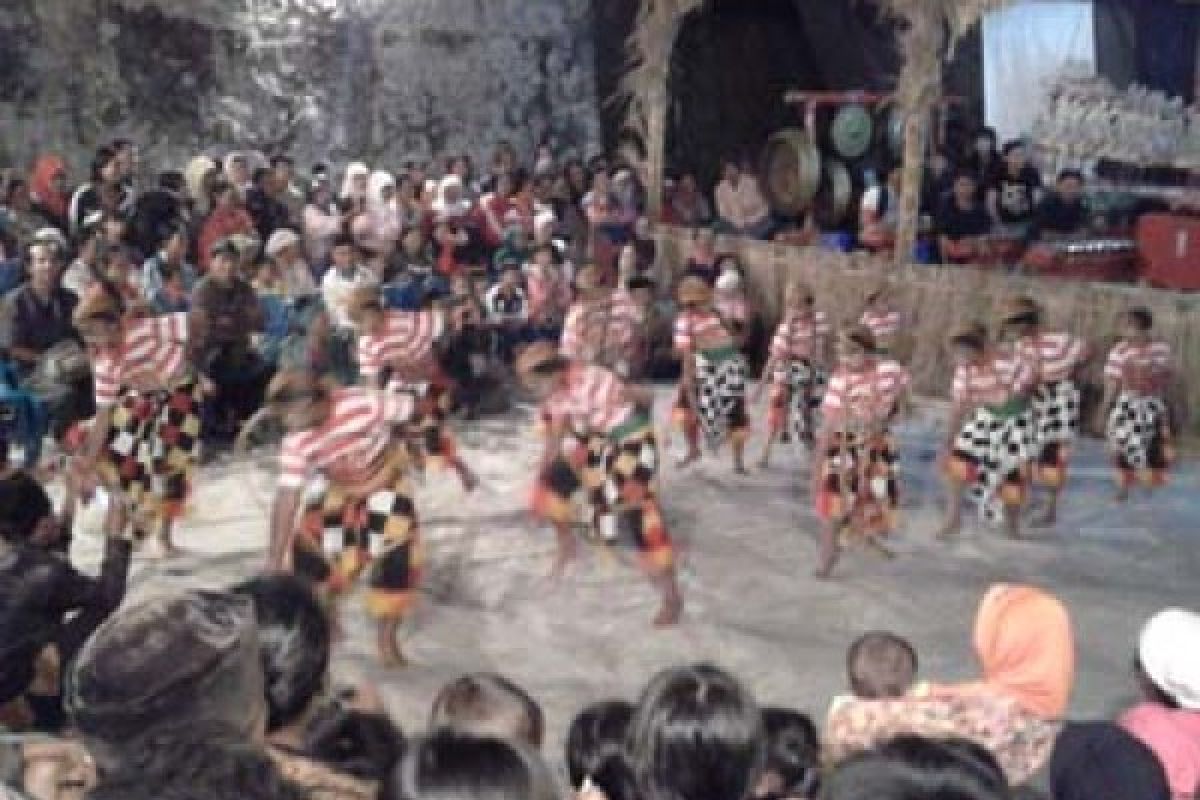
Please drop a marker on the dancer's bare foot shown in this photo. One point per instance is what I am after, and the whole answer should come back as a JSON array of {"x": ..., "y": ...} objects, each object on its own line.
[
  {"x": 691, "y": 458},
  {"x": 669, "y": 613},
  {"x": 1122, "y": 495},
  {"x": 950, "y": 529},
  {"x": 470, "y": 481},
  {"x": 160, "y": 548},
  {"x": 1045, "y": 518},
  {"x": 831, "y": 551},
  {"x": 763, "y": 463},
  {"x": 567, "y": 551},
  {"x": 1012, "y": 523}
]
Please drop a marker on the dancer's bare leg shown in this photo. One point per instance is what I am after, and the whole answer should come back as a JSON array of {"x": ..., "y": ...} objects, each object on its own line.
[
  {"x": 388, "y": 633},
  {"x": 830, "y": 549},
  {"x": 672, "y": 600},
  {"x": 952, "y": 525},
  {"x": 567, "y": 550}
]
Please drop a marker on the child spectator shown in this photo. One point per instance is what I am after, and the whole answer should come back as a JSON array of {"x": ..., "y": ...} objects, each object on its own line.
[
  {"x": 485, "y": 704},
  {"x": 596, "y": 760},
  {"x": 793, "y": 753}
]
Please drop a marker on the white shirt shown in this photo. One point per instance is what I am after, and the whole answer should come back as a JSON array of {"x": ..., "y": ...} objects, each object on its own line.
[{"x": 336, "y": 290}]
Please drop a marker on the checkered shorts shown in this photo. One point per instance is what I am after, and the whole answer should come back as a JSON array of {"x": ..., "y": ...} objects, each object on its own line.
[
  {"x": 796, "y": 392},
  {"x": 1138, "y": 433},
  {"x": 720, "y": 395},
  {"x": 858, "y": 482},
  {"x": 995, "y": 450}
]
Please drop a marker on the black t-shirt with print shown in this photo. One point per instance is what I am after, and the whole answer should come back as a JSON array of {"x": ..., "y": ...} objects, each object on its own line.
[{"x": 1015, "y": 200}]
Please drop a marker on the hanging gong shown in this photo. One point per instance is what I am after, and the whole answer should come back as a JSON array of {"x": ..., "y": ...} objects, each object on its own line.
[
  {"x": 893, "y": 122},
  {"x": 791, "y": 171},
  {"x": 851, "y": 131},
  {"x": 834, "y": 196}
]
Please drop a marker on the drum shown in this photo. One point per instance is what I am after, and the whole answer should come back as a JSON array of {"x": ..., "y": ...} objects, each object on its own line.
[
  {"x": 1168, "y": 250},
  {"x": 791, "y": 171},
  {"x": 1111, "y": 259},
  {"x": 851, "y": 132}
]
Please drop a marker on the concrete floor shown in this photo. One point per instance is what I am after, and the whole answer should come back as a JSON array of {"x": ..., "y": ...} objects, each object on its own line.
[{"x": 747, "y": 552}]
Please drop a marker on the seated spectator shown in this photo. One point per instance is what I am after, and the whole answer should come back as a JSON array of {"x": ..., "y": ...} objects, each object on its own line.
[
  {"x": 293, "y": 272},
  {"x": 294, "y": 643},
  {"x": 167, "y": 278},
  {"x": 344, "y": 276},
  {"x": 1097, "y": 759},
  {"x": 382, "y": 219},
  {"x": 702, "y": 261},
  {"x": 227, "y": 218},
  {"x": 879, "y": 213},
  {"x": 697, "y": 734},
  {"x": 1168, "y": 720},
  {"x": 104, "y": 192},
  {"x": 447, "y": 764},
  {"x": 793, "y": 756},
  {"x": 937, "y": 179},
  {"x": 263, "y": 204},
  {"x": 741, "y": 208},
  {"x": 321, "y": 223},
  {"x": 596, "y": 756},
  {"x": 912, "y": 767},
  {"x": 156, "y": 211},
  {"x": 48, "y": 190},
  {"x": 549, "y": 293},
  {"x": 168, "y": 697},
  {"x": 689, "y": 207},
  {"x": 508, "y": 312},
  {"x": 18, "y": 221},
  {"x": 495, "y": 206},
  {"x": 41, "y": 308},
  {"x": 962, "y": 222},
  {"x": 514, "y": 248},
  {"x": 1017, "y": 192},
  {"x": 47, "y": 607},
  {"x": 1063, "y": 213},
  {"x": 485, "y": 704},
  {"x": 283, "y": 170},
  {"x": 87, "y": 268}
]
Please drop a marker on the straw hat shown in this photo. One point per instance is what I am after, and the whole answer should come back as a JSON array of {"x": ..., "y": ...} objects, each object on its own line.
[
  {"x": 589, "y": 279},
  {"x": 537, "y": 355},
  {"x": 1020, "y": 309},
  {"x": 798, "y": 292},
  {"x": 293, "y": 384},
  {"x": 694, "y": 291},
  {"x": 860, "y": 336},
  {"x": 95, "y": 305},
  {"x": 362, "y": 300},
  {"x": 973, "y": 334}
]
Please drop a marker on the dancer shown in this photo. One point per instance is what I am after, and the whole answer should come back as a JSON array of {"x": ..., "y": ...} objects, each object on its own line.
[
  {"x": 1134, "y": 415},
  {"x": 1056, "y": 359},
  {"x": 343, "y": 501},
  {"x": 404, "y": 344},
  {"x": 602, "y": 326},
  {"x": 856, "y": 489},
  {"x": 992, "y": 439},
  {"x": 618, "y": 469},
  {"x": 712, "y": 386},
  {"x": 145, "y": 438},
  {"x": 796, "y": 369},
  {"x": 882, "y": 317}
]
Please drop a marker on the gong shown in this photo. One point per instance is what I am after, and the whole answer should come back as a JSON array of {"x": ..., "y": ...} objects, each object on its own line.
[
  {"x": 791, "y": 171},
  {"x": 851, "y": 132},
  {"x": 834, "y": 195}
]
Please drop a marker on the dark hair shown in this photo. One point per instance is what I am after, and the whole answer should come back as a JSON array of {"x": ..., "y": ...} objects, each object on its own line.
[
  {"x": 639, "y": 282},
  {"x": 793, "y": 749},
  {"x": 947, "y": 754},
  {"x": 281, "y": 158},
  {"x": 171, "y": 179},
  {"x": 596, "y": 749},
  {"x": 225, "y": 247},
  {"x": 344, "y": 240},
  {"x": 260, "y": 174},
  {"x": 448, "y": 765},
  {"x": 987, "y": 132},
  {"x": 103, "y": 157},
  {"x": 1101, "y": 759},
  {"x": 488, "y": 704},
  {"x": 221, "y": 185},
  {"x": 966, "y": 174},
  {"x": 11, "y": 189},
  {"x": 366, "y": 746},
  {"x": 1141, "y": 317},
  {"x": 913, "y": 769},
  {"x": 881, "y": 664},
  {"x": 697, "y": 734},
  {"x": 169, "y": 231},
  {"x": 1011, "y": 145},
  {"x": 4, "y": 450},
  {"x": 294, "y": 643},
  {"x": 120, "y": 144},
  {"x": 1070, "y": 173}
]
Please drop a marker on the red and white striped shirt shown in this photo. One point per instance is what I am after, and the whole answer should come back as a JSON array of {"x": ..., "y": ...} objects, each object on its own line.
[
  {"x": 152, "y": 354},
  {"x": 994, "y": 382},
  {"x": 732, "y": 307},
  {"x": 1054, "y": 356},
  {"x": 404, "y": 339},
  {"x": 884, "y": 324},
  {"x": 548, "y": 291},
  {"x": 695, "y": 327},
  {"x": 593, "y": 329},
  {"x": 797, "y": 335},
  {"x": 1142, "y": 366},
  {"x": 355, "y": 435},
  {"x": 593, "y": 399},
  {"x": 869, "y": 395}
]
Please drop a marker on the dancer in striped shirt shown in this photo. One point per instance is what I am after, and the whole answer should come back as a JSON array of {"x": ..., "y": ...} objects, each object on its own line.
[
  {"x": 855, "y": 482},
  {"x": 617, "y": 469},
  {"x": 602, "y": 327},
  {"x": 795, "y": 368},
  {"x": 1134, "y": 415},
  {"x": 992, "y": 439},
  {"x": 712, "y": 386},
  {"x": 1056, "y": 358},
  {"x": 344, "y": 503},
  {"x": 882, "y": 317},
  {"x": 145, "y": 438},
  {"x": 397, "y": 349}
]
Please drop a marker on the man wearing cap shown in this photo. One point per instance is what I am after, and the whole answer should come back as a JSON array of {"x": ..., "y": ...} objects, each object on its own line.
[
  {"x": 507, "y": 308},
  {"x": 617, "y": 471},
  {"x": 343, "y": 501},
  {"x": 285, "y": 250}
]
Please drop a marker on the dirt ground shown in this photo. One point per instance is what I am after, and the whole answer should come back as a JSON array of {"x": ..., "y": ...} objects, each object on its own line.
[{"x": 747, "y": 552}]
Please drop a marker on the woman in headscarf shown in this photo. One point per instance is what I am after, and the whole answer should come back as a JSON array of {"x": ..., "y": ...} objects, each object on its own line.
[
  {"x": 1168, "y": 720},
  {"x": 48, "y": 188},
  {"x": 383, "y": 221},
  {"x": 354, "y": 185},
  {"x": 238, "y": 171},
  {"x": 451, "y": 201},
  {"x": 321, "y": 222},
  {"x": 1095, "y": 760},
  {"x": 199, "y": 176}
]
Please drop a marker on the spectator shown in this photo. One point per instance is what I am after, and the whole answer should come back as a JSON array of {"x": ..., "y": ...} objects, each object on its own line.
[
  {"x": 200, "y": 178},
  {"x": 494, "y": 207},
  {"x": 514, "y": 249},
  {"x": 596, "y": 757},
  {"x": 879, "y": 212},
  {"x": 1168, "y": 720},
  {"x": 1017, "y": 192},
  {"x": 962, "y": 223},
  {"x": 1097, "y": 759},
  {"x": 985, "y": 163},
  {"x": 354, "y": 186},
  {"x": 48, "y": 190},
  {"x": 236, "y": 170},
  {"x": 168, "y": 696},
  {"x": 697, "y": 734},
  {"x": 104, "y": 192},
  {"x": 936, "y": 182},
  {"x": 484, "y": 704},
  {"x": 228, "y": 218},
  {"x": 264, "y": 206},
  {"x": 508, "y": 312},
  {"x": 702, "y": 261},
  {"x": 688, "y": 206},
  {"x": 1063, "y": 213},
  {"x": 282, "y": 174},
  {"x": 793, "y": 751},
  {"x": 167, "y": 278},
  {"x": 47, "y": 607},
  {"x": 41, "y": 309},
  {"x": 88, "y": 267},
  {"x": 447, "y": 765},
  {"x": 18, "y": 220},
  {"x": 156, "y": 211},
  {"x": 383, "y": 222},
  {"x": 549, "y": 293},
  {"x": 911, "y": 768},
  {"x": 741, "y": 208},
  {"x": 344, "y": 276},
  {"x": 322, "y": 222},
  {"x": 127, "y": 161},
  {"x": 295, "y": 276}
]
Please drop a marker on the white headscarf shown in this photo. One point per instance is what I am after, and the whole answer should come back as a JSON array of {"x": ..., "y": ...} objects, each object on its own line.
[
  {"x": 444, "y": 208},
  {"x": 355, "y": 170},
  {"x": 376, "y": 184},
  {"x": 384, "y": 220},
  {"x": 1170, "y": 654}
]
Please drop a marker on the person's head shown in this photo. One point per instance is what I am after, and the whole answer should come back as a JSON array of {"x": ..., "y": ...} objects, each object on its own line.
[
  {"x": 641, "y": 290},
  {"x": 793, "y": 754},
  {"x": 364, "y": 745},
  {"x": 985, "y": 142},
  {"x": 451, "y": 765},
  {"x": 283, "y": 246},
  {"x": 1166, "y": 658},
  {"x": 1099, "y": 759},
  {"x": 1016, "y": 157},
  {"x": 237, "y": 169},
  {"x": 541, "y": 369},
  {"x": 320, "y": 194},
  {"x": 223, "y": 261},
  {"x": 687, "y": 185},
  {"x": 694, "y": 292},
  {"x": 601, "y": 181},
  {"x": 299, "y": 399},
  {"x": 1025, "y": 647},
  {"x": 282, "y": 168},
  {"x": 485, "y": 704},
  {"x": 729, "y": 282},
  {"x": 968, "y": 344},
  {"x": 1070, "y": 185},
  {"x": 1136, "y": 323},
  {"x": 731, "y": 170},
  {"x": 510, "y": 278},
  {"x": 225, "y": 194},
  {"x": 1020, "y": 317},
  {"x": 293, "y": 641},
  {"x": 105, "y": 167},
  {"x": 45, "y": 264},
  {"x": 596, "y": 750},
  {"x": 504, "y": 157},
  {"x": 16, "y": 195},
  {"x": 913, "y": 768},
  {"x": 113, "y": 228},
  {"x": 881, "y": 665},
  {"x": 365, "y": 308},
  {"x": 938, "y": 163},
  {"x": 894, "y": 180},
  {"x": 344, "y": 252},
  {"x": 263, "y": 179},
  {"x": 164, "y": 665},
  {"x": 798, "y": 296},
  {"x": 697, "y": 734},
  {"x": 126, "y": 156},
  {"x": 965, "y": 186},
  {"x": 543, "y": 255},
  {"x": 174, "y": 244}
]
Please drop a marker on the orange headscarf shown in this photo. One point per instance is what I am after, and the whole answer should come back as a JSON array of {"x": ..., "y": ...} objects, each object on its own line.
[
  {"x": 41, "y": 184},
  {"x": 1025, "y": 648}
]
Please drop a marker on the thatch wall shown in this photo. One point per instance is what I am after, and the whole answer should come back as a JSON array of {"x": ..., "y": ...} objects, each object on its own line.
[{"x": 939, "y": 299}]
